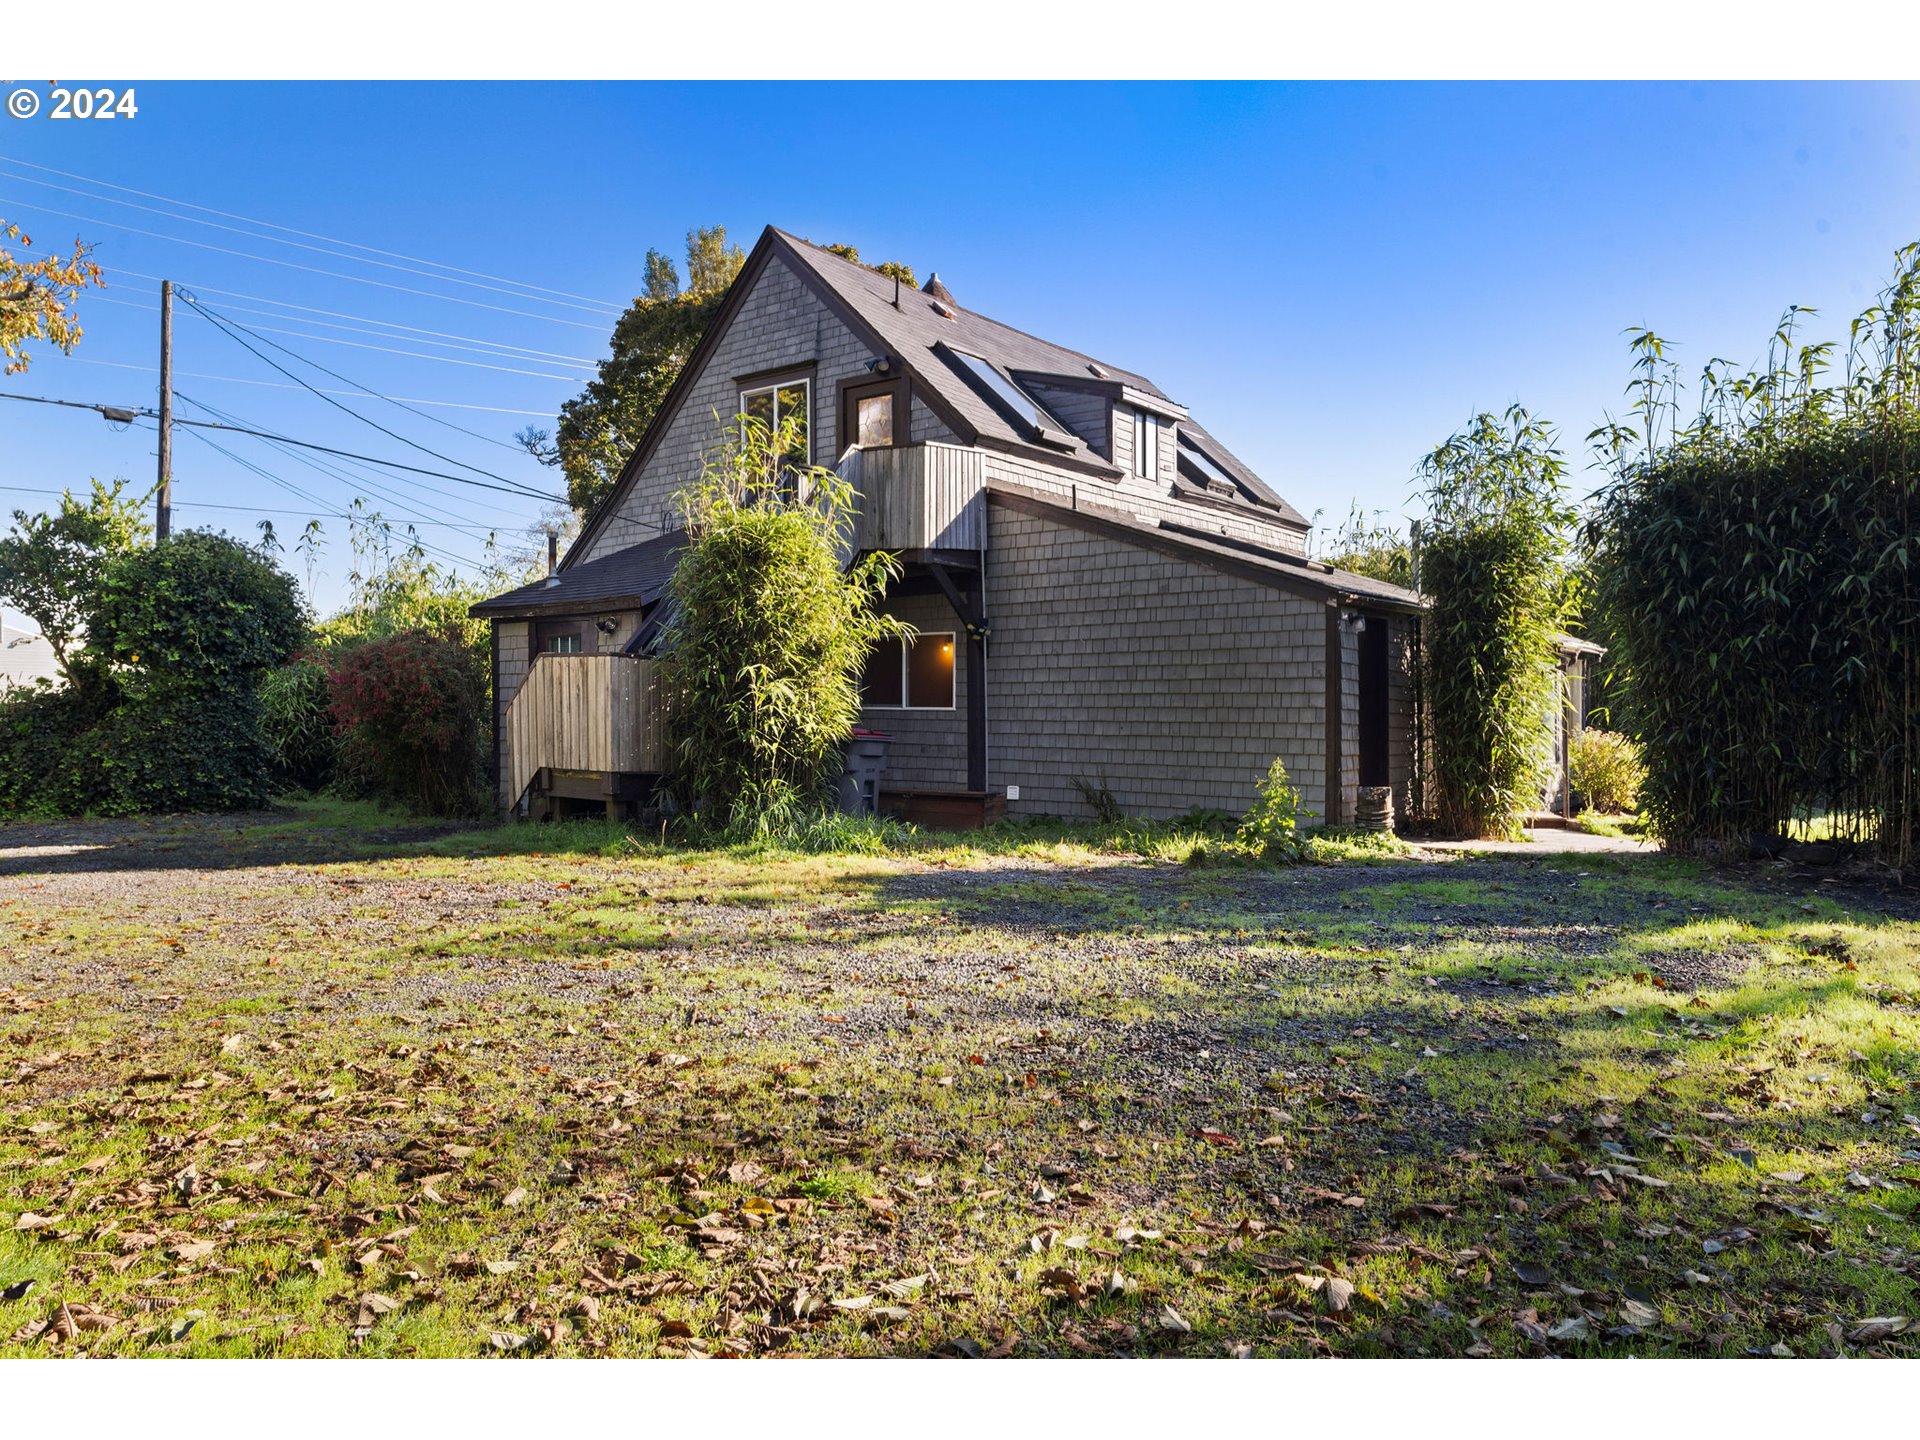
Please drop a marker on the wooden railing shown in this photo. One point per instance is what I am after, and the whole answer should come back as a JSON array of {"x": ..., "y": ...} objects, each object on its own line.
[
  {"x": 599, "y": 713},
  {"x": 918, "y": 497}
]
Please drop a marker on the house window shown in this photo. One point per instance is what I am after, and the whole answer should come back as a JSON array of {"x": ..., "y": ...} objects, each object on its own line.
[
  {"x": 875, "y": 421},
  {"x": 774, "y": 406},
  {"x": 1146, "y": 444},
  {"x": 916, "y": 676},
  {"x": 559, "y": 637}
]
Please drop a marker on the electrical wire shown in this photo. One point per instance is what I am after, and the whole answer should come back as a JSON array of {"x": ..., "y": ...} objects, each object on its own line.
[
  {"x": 311, "y": 235},
  {"x": 294, "y": 265},
  {"x": 378, "y": 334},
  {"x": 151, "y": 414},
  {"x": 596, "y": 308},
  {"x": 280, "y": 385},
  {"x": 366, "y": 319},
  {"x": 228, "y": 327}
]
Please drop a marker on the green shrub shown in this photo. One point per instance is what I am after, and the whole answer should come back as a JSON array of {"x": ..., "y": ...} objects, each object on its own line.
[
  {"x": 41, "y": 774},
  {"x": 1605, "y": 766},
  {"x": 1491, "y": 568},
  {"x": 197, "y": 612},
  {"x": 1761, "y": 562},
  {"x": 1272, "y": 826},
  {"x": 768, "y": 637},
  {"x": 409, "y": 712},
  {"x": 296, "y": 716},
  {"x": 170, "y": 751}
]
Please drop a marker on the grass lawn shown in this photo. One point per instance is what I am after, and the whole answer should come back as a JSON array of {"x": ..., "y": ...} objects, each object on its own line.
[{"x": 324, "y": 1083}]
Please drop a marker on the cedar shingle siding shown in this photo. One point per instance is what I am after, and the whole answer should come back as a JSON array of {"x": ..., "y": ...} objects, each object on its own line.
[{"x": 1161, "y": 635}]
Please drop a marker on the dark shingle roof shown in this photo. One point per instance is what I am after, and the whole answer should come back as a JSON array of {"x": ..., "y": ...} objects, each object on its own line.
[{"x": 634, "y": 576}]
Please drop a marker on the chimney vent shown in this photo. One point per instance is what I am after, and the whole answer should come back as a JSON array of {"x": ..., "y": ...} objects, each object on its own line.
[
  {"x": 936, "y": 291},
  {"x": 553, "y": 557}
]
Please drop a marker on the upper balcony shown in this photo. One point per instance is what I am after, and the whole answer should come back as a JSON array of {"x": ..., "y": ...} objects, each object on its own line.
[{"x": 918, "y": 497}]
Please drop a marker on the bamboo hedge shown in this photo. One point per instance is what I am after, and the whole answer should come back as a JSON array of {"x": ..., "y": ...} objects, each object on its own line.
[{"x": 1758, "y": 561}]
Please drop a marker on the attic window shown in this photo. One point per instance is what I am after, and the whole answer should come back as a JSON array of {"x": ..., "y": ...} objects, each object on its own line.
[
  {"x": 1008, "y": 393},
  {"x": 1146, "y": 444}
]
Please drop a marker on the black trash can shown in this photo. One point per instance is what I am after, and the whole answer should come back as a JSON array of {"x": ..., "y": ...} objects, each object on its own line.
[{"x": 866, "y": 762}]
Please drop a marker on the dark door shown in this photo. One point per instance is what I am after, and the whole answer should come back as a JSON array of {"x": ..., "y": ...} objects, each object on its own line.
[{"x": 1373, "y": 702}]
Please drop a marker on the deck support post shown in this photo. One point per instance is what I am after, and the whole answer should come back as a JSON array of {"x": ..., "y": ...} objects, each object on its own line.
[{"x": 967, "y": 606}]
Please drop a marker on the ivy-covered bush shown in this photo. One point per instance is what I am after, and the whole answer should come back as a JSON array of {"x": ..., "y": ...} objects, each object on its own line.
[
  {"x": 199, "y": 612},
  {"x": 1604, "y": 766},
  {"x": 409, "y": 712},
  {"x": 42, "y": 775},
  {"x": 172, "y": 750}
]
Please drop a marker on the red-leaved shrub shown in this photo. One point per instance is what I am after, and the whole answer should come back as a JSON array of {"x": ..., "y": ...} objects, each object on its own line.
[{"x": 410, "y": 713}]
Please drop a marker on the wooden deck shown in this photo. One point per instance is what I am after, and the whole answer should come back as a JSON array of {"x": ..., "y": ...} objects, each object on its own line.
[
  {"x": 594, "y": 713},
  {"x": 919, "y": 497}
]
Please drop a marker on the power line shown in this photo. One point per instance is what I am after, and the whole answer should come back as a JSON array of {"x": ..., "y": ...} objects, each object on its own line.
[
  {"x": 115, "y": 412},
  {"x": 367, "y": 319},
  {"x": 362, "y": 481},
  {"x": 215, "y": 505},
  {"x": 294, "y": 265},
  {"x": 384, "y": 349},
  {"x": 319, "y": 504},
  {"x": 484, "y": 348},
  {"x": 311, "y": 235},
  {"x": 596, "y": 308},
  {"x": 228, "y": 327},
  {"x": 279, "y": 385}
]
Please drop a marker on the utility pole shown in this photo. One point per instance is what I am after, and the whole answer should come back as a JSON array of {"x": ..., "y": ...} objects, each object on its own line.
[{"x": 163, "y": 500}]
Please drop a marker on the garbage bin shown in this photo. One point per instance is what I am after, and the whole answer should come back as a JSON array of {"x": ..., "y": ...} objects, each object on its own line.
[{"x": 866, "y": 762}]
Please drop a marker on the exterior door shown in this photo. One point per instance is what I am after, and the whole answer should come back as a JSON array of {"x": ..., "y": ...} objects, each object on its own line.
[{"x": 1374, "y": 764}]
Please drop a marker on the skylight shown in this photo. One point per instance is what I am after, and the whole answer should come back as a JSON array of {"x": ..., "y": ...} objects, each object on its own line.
[
  {"x": 1008, "y": 393},
  {"x": 1204, "y": 463}
]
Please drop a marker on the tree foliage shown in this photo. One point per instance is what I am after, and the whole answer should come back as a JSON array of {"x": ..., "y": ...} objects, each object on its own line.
[
  {"x": 37, "y": 295},
  {"x": 1760, "y": 562},
  {"x": 599, "y": 428},
  {"x": 198, "y": 612},
  {"x": 1492, "y": 570},
  {"x": 1369, "y": 543},
  {"x": 769, "y": 634},
  {"x": 53, "y": 567}
]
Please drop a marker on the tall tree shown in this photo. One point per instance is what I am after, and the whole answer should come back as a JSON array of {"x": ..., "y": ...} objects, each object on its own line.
[
  {"x": 37, "y": 294},
  {"x": 53, "y": 567}
]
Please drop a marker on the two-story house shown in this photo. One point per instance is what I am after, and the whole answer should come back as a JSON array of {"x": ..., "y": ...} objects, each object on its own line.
[{"x": 1102, "y": 591}]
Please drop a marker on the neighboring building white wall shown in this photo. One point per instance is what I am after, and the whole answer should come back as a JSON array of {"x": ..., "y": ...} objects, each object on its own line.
[{"x": 26, "y": 657}]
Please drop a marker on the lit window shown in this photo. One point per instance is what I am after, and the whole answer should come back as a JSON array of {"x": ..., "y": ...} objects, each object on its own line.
[
  {"x": 916, "y": 676},
  {"x": 875, "y": 421},
  {"x": 774, "y": 406},
  {"x": 1146, "y": 444}
]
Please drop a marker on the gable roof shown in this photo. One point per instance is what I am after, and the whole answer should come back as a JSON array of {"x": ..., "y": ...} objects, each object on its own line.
[
  {"x": 632, "y": 578},
  {"x": 927, "y": 332}
]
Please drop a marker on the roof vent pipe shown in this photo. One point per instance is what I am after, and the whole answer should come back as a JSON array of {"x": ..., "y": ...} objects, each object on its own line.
[{"x": 553, "y": 557}]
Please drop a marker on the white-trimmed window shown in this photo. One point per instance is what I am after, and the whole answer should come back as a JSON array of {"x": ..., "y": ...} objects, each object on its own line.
[
  {"x": 772, "y": 406},
  {"x": 1146, "y": 444},
  {"x": 910, "y": 675}
]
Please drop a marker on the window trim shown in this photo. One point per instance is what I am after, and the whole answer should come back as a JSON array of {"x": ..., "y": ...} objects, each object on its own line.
[
  {"x": 906, "y": 690},
  {"x": 773, "y": 385}
]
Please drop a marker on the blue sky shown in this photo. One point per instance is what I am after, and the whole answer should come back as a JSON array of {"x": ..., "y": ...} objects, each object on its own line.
[{"x": 1334, "y": 277}]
